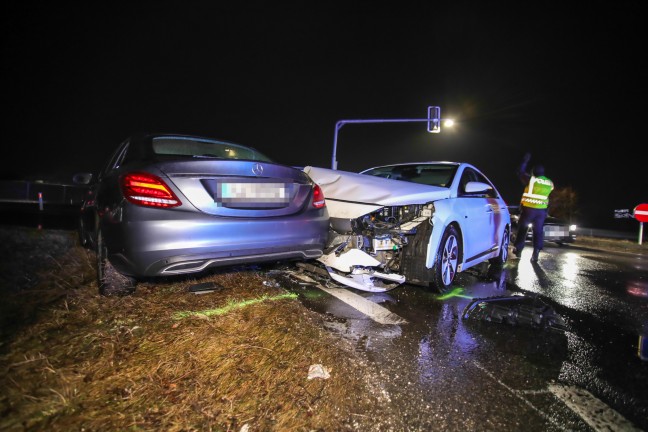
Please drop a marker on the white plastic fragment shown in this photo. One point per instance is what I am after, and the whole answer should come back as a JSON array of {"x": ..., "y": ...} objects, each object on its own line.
[{"x": 318, "y": 371}]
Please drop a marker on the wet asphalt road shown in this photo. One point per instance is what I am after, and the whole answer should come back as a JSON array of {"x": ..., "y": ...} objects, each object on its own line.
[{"x": 448, "y": 371}]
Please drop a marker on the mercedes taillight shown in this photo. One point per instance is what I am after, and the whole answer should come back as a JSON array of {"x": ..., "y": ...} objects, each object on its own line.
[
  {"x": 318, "y": 197},
  {"x": 148, "y": 190}
]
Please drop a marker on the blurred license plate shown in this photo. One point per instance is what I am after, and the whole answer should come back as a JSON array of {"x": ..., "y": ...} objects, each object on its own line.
[
  {"x": 555, "y": 231},
  {"x": 253, "y": 192}
]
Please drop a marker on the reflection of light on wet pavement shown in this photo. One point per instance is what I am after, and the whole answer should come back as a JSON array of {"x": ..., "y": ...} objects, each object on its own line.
[
  {"x": 526, "y": 276},
  {"x": 355, "y": 329},
  {"x": 449, "y": 338},
  {"x": 637, "y": 289},
  {"x": 541, "y": 277},
  {"x": 569, "y": 270}
]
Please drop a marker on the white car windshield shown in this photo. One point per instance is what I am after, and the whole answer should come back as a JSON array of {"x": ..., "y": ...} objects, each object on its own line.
[{"x": 430, "y": 174}]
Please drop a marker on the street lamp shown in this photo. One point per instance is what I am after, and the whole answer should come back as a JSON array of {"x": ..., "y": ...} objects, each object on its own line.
[{"x": 433, "y": 126}]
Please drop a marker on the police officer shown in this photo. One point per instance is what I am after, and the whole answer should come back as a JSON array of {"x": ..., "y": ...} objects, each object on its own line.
[{"x": 533, "y": 206}]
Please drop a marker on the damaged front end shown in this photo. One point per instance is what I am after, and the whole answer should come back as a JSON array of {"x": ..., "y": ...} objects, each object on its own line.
[
  {"x": 380, "y": 229},
  {"x": 368, "y": 252}
]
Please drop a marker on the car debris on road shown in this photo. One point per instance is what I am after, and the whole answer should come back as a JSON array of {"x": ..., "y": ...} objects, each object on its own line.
[{"x": 517, "y": 310}]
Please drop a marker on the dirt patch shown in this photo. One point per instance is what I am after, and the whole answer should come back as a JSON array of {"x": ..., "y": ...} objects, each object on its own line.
[{"x": 163, "y": 359}]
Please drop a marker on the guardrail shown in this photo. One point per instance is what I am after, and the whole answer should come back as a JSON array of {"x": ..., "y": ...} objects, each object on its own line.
[{"x": 42, "y": 196}]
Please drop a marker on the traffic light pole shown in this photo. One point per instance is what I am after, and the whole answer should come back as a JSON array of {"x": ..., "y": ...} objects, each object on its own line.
[{"x": 433, "y": 120}]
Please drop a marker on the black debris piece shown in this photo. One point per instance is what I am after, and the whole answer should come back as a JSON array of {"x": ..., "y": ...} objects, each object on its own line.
[{"x": 515, "y": 311}]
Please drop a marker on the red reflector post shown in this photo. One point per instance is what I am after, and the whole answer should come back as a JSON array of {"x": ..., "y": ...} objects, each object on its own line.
[{"x": 148, "y": 190}]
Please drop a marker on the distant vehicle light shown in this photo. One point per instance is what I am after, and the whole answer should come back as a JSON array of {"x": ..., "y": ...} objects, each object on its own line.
[{"x": 572, "y": 227}]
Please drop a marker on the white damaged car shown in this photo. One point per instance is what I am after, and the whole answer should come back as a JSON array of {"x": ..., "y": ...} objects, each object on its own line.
[{"x": 417, "y": 222}]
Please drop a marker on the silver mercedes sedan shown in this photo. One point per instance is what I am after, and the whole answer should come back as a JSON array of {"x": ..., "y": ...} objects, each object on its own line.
[{"x": 176, "y": 204}]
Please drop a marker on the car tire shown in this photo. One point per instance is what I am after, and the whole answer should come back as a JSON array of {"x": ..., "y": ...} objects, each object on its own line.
[
  {"x": 501, "y": 259},
  {"x": 109, "y": 280},
  {"x": 447, "y": 260}
]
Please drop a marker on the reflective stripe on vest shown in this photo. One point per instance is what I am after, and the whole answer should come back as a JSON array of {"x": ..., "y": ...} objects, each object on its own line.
[{"x": 536, "y": 193}]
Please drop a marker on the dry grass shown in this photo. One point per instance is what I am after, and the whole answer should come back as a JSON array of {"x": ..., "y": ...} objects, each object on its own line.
[
  {"x": 618, "y": 245},
  {"x": 73, "y": 360}
]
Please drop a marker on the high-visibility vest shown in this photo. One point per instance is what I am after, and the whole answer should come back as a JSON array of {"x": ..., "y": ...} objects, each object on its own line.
[{"x": 536, "y": 193}]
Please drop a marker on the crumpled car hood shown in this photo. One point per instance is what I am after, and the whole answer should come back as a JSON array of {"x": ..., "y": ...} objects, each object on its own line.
[{"x": 367, "y": 189}]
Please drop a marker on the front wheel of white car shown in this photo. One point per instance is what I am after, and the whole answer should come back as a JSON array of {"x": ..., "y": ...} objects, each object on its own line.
[
  {"x": 502, "y": 257},
  {"x": 447, "y": 260}
]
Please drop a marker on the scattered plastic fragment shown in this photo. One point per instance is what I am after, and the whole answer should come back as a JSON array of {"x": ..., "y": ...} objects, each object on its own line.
[
  {"x": 204, "y": 288},
  {"x": 318, "y": 371}
]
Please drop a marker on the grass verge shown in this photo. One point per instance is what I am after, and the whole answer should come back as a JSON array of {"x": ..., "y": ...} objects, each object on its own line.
[{"x": 164, "y": 358}]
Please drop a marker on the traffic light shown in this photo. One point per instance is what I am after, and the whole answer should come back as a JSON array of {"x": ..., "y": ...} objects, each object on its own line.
[{"x": 434, "y": 119}]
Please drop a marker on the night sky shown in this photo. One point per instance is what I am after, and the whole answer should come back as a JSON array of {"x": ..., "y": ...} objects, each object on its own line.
[{"x": 564, "y": 81}]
